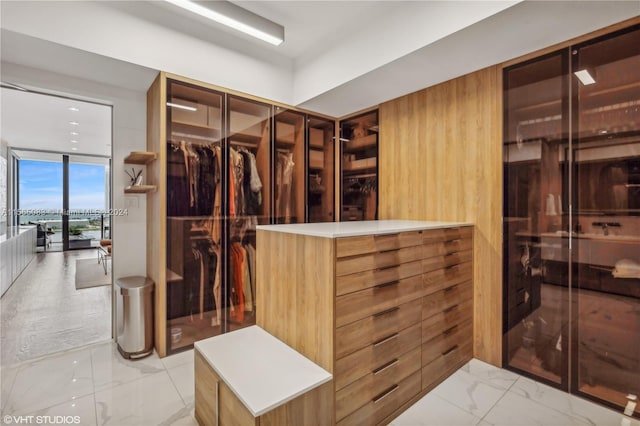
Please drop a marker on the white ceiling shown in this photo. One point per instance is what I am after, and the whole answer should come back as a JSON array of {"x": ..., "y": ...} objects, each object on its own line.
[
  {"x": 42, "y": 122},
  {"x": 338, "y": 56}
]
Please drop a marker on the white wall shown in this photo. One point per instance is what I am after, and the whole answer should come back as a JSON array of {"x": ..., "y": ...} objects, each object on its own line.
[{"x": 129, "y": 134}]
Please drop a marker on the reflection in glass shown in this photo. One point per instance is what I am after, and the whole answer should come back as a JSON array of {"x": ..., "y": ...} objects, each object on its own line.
[
  {"x": 320, "y": 201},
  {"x": 572, "y": 219}
]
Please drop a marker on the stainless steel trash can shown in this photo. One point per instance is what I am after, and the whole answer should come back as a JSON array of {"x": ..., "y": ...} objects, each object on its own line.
[{"x": 134, "y": 316}]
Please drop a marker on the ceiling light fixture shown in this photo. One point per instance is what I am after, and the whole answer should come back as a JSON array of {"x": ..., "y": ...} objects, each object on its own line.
[
  {"x": 74, "y": 109},
  {"x": 12, "y": 86},
  {"x": 188, "y": 108},
  {"x": 74, "y": 123},
  {"x": 74, "y": 133},
  {"x": 73, "y": 141},
  {"x": 227, "y": 13},
  {"x": 584, "y": 77},
  {"x": 74, "y": 149}
]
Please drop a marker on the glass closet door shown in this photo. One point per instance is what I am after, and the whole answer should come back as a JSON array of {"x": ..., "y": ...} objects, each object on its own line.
[
  {"x": 320, "y": 170},
  {"x": 606, "y": 154},
  {"x": 289, "y": 168},
  {"x": 195, "y": 255},
  {"x": 536, "y": 241},
  {"x": 359, "y": 167},
  {"x": 248, "y": 202}
]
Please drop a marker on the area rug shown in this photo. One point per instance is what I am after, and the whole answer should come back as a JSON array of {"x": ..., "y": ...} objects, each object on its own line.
[{"x": 89, "y": 273}]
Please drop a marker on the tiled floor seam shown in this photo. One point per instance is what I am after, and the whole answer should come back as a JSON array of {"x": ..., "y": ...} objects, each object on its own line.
[
  {"x": 174, "y": 383},
  {"x": 111, "y": 386},
  {"x": 482, "y": 419}
]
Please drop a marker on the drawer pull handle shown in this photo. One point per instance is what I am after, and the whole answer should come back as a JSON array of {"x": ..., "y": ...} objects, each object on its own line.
[
  {"x": 385, "y": 340},
  {"x": 453, "y": 253},
  {"x": 387, "y": 284},
  {"x": 450, "y": 267},
  {"x": 384, "y": 367},
  {"x": 449, "y": 330},
  {"x": 451, "y": 349},
  {"x": 386, "y": 267},
  {"x": 450, "y": 289},
  {"x": 453, "y": 240},
  {"x": 388, "y": 251},
  {"x": 385, "y": 394},
  {"x": 388, "y": 311},
  {"x": 450, "y": 309}
]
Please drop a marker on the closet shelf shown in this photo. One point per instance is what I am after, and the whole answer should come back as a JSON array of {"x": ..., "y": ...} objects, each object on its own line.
[
  {"x": 139, "y": 189},
  {"x": 140, "y": 157},
  {"x": 360, "y": 143}
]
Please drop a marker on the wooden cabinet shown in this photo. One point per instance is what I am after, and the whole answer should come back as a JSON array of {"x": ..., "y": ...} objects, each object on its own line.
[
  {"x": 232, "y": 387},
  {"x": 320, "y": 169},
  {"x": 395, "y": 314},
  {"x": 225, "y": 163},
  {"x": 447, "y": 323},
  {"x": 359, "y": 167}
]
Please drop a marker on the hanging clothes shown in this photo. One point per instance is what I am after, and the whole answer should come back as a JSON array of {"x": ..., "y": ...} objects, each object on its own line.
[{"x": 284, "y": 181}]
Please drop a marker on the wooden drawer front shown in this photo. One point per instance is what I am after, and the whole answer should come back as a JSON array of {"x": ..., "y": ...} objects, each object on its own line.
[
  {"x": 442, "y": 300},
  {"x": 385, "y": 403},
  {"x": 445, "y": 365},
  {"x": 456, "y": 314},
  {"x": 362, "y": 280},
  {"x": 447, "y": 234},
  {"x": 442, "y": 261},
  {"x": 351, "y": 246},
  {"x": 447, "y": 277},
  {"x": 354, "y": 306},
  {"x": 446, "y": 247},
  {"x": 385, "y": 259},
  {"x": 360, "y": 392},
  {"x": 450, "y": 339},
  {"x": 353, "y": 366},
  {"x": 373, "y": 328}
]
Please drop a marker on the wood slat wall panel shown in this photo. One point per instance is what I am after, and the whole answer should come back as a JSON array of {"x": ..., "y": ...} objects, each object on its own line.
[
  {"x": 440, "y": 159},
  {"x": 156, "y": 207}
]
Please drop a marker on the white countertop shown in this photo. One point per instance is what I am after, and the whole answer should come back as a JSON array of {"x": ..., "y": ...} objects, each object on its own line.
[
  {"x": 352, "y": 229},
  {"x": 262, "y": 371}
]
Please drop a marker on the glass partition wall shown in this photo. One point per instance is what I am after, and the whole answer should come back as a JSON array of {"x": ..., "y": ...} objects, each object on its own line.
[{"x": 571, "y": 309}]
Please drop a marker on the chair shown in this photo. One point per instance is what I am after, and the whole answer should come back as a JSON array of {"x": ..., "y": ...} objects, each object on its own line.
[
  {"x": 41, "y": 236},
  {"x": 104, "y": 253}
]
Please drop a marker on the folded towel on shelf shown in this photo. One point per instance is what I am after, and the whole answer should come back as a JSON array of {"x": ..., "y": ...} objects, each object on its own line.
[{"x": 626, "y": 268}]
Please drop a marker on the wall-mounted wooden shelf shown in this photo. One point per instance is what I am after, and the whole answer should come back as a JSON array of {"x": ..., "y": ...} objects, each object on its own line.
[
  {"x": 140, "y": 157},
  {"x": 139, "y": 189}
]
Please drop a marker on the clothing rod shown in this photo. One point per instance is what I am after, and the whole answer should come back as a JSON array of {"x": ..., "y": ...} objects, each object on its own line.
[
  {"x": 197, "y": 137},
  {"x": 283, "y": 150},
  {"x": 245, "y": 144}
]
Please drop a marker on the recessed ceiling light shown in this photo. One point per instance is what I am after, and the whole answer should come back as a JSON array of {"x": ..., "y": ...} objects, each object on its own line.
[
  {"x": 74, "y": 133},
  {"x": 74, "y": 109},
  {"x": 73, "y": 141},
  {"x": 74, "y": 148},
  {"x": 584, "y": 77},
  {"x": 603, "y": 132},
  {"x": 74, "y": 123},
  {"x": 179, "y": 106}
]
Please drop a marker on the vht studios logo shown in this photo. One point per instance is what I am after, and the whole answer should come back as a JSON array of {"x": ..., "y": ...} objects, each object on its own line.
[{"x": 41, "y": 420}]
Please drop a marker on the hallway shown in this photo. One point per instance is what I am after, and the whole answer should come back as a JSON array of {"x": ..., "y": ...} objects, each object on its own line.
[{"x": 42, "y": 312}]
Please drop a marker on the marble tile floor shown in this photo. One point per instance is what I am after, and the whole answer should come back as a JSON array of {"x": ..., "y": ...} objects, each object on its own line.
[
  {"x": 42, "y": 312},
  {"x": 96, "y": 384}
]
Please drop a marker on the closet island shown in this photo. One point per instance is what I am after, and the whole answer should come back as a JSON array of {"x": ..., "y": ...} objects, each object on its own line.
[{"x": 385, "y": 306}]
